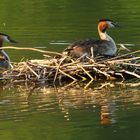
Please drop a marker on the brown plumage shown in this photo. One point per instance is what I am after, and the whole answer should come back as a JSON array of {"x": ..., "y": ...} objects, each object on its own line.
[
  {"x": 4, "y": 58},
  {"x": 104, "y": 46}
]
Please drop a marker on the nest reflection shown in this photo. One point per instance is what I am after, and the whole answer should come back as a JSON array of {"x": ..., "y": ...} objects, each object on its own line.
[{"x": 103, "y": 100}]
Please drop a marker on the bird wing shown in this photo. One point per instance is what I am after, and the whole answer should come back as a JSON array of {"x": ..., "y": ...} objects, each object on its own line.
[{"x": 82, "y": 43}]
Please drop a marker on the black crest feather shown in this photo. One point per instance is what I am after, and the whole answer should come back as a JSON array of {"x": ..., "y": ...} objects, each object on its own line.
[{"x": 105, "y": 19}]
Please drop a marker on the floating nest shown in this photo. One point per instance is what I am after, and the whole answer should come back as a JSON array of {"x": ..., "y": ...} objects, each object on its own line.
[{"x": 52, "y": 70}]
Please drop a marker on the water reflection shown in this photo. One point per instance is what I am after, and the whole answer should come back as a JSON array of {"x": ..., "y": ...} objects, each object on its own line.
[
  {"x": 16, "y": 103},
  {"x": 90, "y": 99}
]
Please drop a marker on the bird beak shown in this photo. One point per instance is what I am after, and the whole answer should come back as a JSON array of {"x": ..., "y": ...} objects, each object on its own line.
[
  {"x": 116, "y": 24},
  {"x": 12, "y": 41},
  {"x": 9, "y": 39}
]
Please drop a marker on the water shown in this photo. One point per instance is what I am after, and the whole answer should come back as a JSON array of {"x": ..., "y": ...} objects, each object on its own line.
[
  {"x": 29, "y": 112},
  {"x": 109, "y": 111}
]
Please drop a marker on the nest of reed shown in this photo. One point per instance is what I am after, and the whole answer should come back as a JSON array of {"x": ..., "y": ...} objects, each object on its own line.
[{"x": 64, "y": 69}]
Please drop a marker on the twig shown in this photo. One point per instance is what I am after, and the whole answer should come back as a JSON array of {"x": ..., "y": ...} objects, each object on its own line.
[
  {"x": 115, "y": 58},
  {"x": 32, "y": 70},
  {"x": 33, "y": 49},
  {"x": 88, "y": 84},
  {"x": 104, "y": 73},
  {"x": 50, "y": 69},
  {"x": 74, "y": 79},
  {"x": 123, "y": 46},
  {"x": 70, "y": 84},
  {"x": 131, "y": 73},
  {"x": 82, "y": 77},
  {"x": 86, "y": 72},
  {"x": 122, "y": 60},
  {"x": 129, "y": 64},
  {"x": 58, "y": 68}
]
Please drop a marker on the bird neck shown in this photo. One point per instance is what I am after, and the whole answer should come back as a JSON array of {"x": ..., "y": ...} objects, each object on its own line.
[{"x": 105, "y": 36}]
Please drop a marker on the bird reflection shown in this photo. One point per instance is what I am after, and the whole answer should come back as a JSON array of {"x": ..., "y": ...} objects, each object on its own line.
[
  {"x": 79, "y": 99},
  {"x": 107, "y": 113}
]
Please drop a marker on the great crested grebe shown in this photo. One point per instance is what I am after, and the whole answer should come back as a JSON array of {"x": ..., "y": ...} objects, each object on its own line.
[
  {"x": 4, "y": 58},
  {"x": 105, "y": 46}
]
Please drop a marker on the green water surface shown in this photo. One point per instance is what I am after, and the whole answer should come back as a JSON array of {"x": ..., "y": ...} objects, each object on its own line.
[{"x": 68, "y": 113}]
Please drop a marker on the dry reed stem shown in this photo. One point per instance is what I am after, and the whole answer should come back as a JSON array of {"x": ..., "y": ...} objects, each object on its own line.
[
  {"x": 101, "y": 72},
  {"x": 82, "y": 77},
  {"x": 66, "y": 74},
  {"x": 32, "y": 71},
  {"x": 70, "y": 84},
  {"x": 121, "y": 75},
  {"x": 58, "y": 66},
  {"x": 129, "y": 64},
  {"x": 122, "y": 60},
  {"x": 70, "y": 64},
  {"x": 131, "y": 73},
  {"x": 79, "y": 65},
  {"x": 124, "y": 55},
  {"x": 123, "y": 46},
  {"x": 49, "y": 69},
  {"x": 33, "y": 49},
  {"x": 88, "y": 84}
]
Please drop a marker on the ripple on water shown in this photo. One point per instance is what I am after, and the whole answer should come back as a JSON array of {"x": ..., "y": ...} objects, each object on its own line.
[
  {"x": 17, "y": 107},
  {"x": 108, "y": 102}
]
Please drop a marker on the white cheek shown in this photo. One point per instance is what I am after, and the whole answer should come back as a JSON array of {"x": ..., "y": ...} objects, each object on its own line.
[
  {"x": 110, "y": 24},
  {"x": 5, "y": 38}
]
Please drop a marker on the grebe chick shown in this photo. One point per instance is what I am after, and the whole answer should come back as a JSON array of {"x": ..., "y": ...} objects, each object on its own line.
[
  {"x": 4, "y": 58},
  {"x": 105, "y": 46}
]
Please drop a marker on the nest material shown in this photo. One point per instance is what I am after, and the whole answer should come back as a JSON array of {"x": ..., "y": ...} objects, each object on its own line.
[{"x": 64, "y": 69}]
